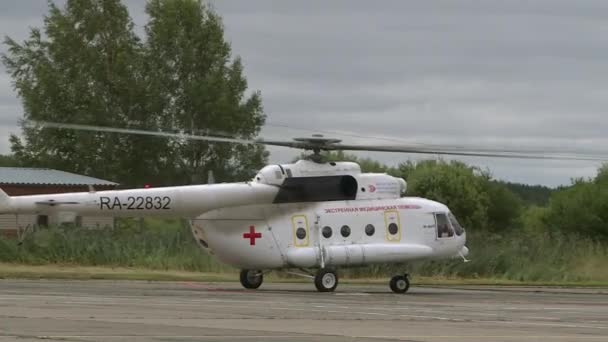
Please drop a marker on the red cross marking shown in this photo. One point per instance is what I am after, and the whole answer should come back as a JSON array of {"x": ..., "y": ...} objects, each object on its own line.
[{"x": 252, "y": 235}]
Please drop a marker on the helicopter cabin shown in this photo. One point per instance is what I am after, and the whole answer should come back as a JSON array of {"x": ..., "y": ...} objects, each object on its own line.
[{"x": 18, "y": 181}]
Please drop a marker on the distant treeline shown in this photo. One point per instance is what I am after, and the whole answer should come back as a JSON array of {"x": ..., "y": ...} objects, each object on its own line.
[
  {"x": 8, "y": 160},
  {"x": 530, "y": 194}
]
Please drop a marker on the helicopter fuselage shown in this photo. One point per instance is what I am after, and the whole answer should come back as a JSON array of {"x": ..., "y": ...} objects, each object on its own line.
[
  {"x": 329, "y": 215},
  {"x": 327, "y": 234}
]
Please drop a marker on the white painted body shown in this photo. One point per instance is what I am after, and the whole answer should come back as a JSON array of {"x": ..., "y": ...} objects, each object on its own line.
[
  {"x": 279, "y": 246},
  {"x": 225, "y": 217}
]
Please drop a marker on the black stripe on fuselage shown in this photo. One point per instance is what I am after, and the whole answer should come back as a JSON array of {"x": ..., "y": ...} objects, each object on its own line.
[{"x": 317, "y": 189}]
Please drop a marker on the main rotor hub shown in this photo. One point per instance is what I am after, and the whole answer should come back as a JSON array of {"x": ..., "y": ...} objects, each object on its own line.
[{"x": 317, "y": 143}]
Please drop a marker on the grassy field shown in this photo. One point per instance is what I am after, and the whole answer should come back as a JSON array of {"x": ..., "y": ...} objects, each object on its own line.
[{"x": 165, "y": 250}]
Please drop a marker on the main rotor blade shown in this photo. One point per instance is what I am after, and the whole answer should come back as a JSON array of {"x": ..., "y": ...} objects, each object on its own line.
[
  {"x": 78, "y": 127},
  {"x": 437, "y": 150},
  {"x": 527, "y": 151},
  {"x": 179, "y": 135},
  {"x": 309, "y": 144}
]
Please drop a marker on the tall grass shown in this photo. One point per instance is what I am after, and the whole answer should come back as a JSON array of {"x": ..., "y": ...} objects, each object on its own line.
[
  {"x": 164, "y": 245},
  {"x": 153, "y": 244},
  {"x": 529, "y": 257},
  {"x": 519, "y": 256}
]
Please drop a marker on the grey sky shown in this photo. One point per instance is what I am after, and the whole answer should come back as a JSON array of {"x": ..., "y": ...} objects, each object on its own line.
[{"x": 501, "y": 73}]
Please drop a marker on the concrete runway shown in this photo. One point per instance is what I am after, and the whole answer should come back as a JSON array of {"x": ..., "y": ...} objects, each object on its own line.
[{"x": 31, "y": 310}]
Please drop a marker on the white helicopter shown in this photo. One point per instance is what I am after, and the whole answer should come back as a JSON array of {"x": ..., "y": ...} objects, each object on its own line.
[{"x": 310, "y": 215}]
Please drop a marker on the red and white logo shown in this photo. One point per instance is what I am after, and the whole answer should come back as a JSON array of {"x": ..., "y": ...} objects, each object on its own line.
[{"x": 371, "y": 188}]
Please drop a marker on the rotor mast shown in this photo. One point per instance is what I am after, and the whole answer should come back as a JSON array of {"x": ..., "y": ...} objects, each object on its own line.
[{"x": 316, "y": 144}]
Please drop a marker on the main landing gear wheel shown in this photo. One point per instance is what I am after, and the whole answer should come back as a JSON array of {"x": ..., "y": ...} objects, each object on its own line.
[
  {"x": 251, "y": 279},
  {"x": 326, "y": 280},
  {"x": 400, "y": 283}
]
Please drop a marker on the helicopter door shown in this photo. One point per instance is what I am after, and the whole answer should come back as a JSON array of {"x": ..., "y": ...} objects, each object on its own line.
[
  {"x": 392, "y": 225},
  {"x": 301, "y": 232}
]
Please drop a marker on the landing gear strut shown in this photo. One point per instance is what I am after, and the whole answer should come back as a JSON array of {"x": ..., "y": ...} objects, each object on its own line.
[
  {"x": 251, "y": 279},
  {"x": 400, "y": 283},
  {"x": 326, "y": 280}
]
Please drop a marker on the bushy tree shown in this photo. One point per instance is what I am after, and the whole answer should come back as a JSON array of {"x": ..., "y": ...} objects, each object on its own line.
[
  {"x": 462, "y": 188},
  {"x": 88, "y": 66},
  {"x": 196, "y": 86},
  {"x": 504, "y": 207},
  {"x": 82, "y": 69},
  {"x": 8, "y": 161},
  {"x": 530, "y": 194},
  {"x": 602, "y": 176},
  {"x": 533, "y": 220},
  {"x": 581, "y": 208}
]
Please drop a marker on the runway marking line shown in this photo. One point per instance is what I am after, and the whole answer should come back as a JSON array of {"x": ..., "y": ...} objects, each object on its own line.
[
  {"x": 452, "y": 337},
  {"x": 557, "y": 325},
  {"x": 484, "y": 337},
  {"x": 165, "y": 336},
  {"x": 543, "y": 318}
]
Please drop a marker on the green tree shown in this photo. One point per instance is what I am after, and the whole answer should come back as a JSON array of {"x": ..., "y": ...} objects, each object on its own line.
[
  {"x": 462, "y": 188},
  {"x": 581, "y": 208},
  {"x": 83, "y": 69},
  {"x": 87, "y": 66},
  {"x": 197, "y": 87},
  {"x": 533, "y": 220},
  {"x": 530, "y": 194},
  {"x": 602, "y": 176},
  {"x": 8, "y": 161},
  {"x": 504, "y": 207}
]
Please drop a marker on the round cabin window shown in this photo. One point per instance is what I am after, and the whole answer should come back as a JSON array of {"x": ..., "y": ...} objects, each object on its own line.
[
  {"x": 370, "y": 230},
  {"x": 326, "y": 232},
  {"x": 393, "y": 229},
  {"x": 301, "y": 233},
  {"x": 345, "y": 231}
]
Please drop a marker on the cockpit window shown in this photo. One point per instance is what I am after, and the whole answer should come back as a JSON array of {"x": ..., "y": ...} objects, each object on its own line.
[
  {"x": 444, "y": 229},
  {"x": 457, "y": 227}
]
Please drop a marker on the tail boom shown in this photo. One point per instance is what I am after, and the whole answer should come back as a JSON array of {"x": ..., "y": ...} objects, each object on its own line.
[{"x": 180, "y": 201}]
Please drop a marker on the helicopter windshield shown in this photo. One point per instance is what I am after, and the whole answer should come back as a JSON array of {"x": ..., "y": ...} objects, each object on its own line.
[{"x": 457, "y": 227}]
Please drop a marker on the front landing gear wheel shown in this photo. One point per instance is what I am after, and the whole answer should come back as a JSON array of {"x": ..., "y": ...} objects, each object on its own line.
[
  {"x": 326, "y": 280},
  {"x": 400, "y": 283},
  {"x": 251, "y": 279}
]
